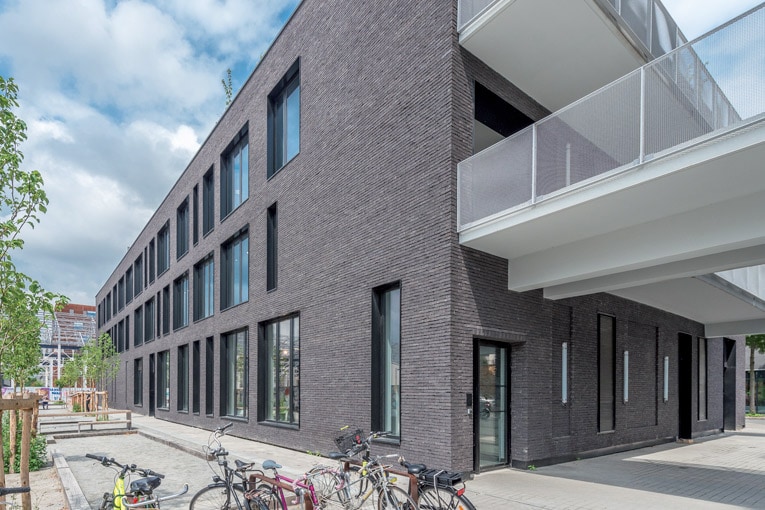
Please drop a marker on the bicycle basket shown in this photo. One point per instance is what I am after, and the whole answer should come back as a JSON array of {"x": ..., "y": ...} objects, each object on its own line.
[{"x": 349, "y": 440}]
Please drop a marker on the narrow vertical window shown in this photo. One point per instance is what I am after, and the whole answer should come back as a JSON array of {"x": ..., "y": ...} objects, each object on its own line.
[
  {"x": 182, "y": 229},
  {"x": 234, "y": 175},
  {"x": 138, "y": 271},
  {"x": 280, "y": 371},
  {"x": 138, "y": 381},
  {"x": 234, "y": 287},
  {"x": 163, "y": 249},
  {"x": 121, "y": 292},
  {"x": 149, "y": 316},
  {"x": 129, "y": 285},
  {"x": 127, "y": 332},
  {"x": 606, "y": 372},
  {"x": 702, "y": 395},
  {"x": 564, "y": 373},
  {"x": 163, "y": 380},
  {"x": 209, "y": 376},
  {"x": 183, "y": 378},
  {"x": 284, "y": 120},
  {"x": 386, "y": 359},
  {"x": 138, "y": 328},
  {"x": 166, "y": 310},
  {"x": 121, "y": 336},
  {"x": 152, "y": 260},
  {"x": 271, "y": 248},
  {"x": 195, "y": 214},
  {"x": 208, "y": 202},
  {"x": 195, "y": 374},
  {"x": 181, "y": 302},
  {"x": 204, "y": 285},
  {"x": 234, "y": 374}
]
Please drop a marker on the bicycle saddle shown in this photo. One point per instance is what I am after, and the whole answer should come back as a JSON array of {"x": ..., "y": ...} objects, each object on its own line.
[
  {"x": 269, "y": 464},
  {"x": 336, "y": 455},
  {"x": 241, "y": 466},
  {"x": 147, "y": 484},
  {"x": 415, "y": 469}
]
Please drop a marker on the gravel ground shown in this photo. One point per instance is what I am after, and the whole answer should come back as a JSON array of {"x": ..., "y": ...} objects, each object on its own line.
[{"x": 47, "y": 493}]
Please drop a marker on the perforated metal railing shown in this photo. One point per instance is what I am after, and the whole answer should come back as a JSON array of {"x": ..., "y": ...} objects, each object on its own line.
[{"x": 700, "y": 91}]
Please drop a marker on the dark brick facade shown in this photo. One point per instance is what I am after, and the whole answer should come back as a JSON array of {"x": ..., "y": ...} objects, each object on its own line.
[{"x": 386, "y": 115}]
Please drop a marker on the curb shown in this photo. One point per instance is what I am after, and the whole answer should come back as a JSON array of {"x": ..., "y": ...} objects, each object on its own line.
[{"x": 74, "y": 495}]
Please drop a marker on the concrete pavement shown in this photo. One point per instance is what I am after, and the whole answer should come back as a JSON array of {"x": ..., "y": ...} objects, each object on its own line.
[{"x": 721, "y": 472}]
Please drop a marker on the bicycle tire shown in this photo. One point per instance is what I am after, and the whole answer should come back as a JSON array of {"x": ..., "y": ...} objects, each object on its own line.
[
  {"x": 442, "y": 498},
  {"x": 270, "y": 497},
  {"x": 324, "y": 481},
  {"x": 217, "y": 497},
  {"x": 395, "y": 498},
  {"x": 356, "y": 485}
]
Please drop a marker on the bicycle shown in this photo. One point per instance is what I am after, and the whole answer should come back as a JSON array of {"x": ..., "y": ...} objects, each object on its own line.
[
  {"x": 141, "y": 493},
  {"x": 7, "y": 491},
  {"x": 230, "y": 489}
]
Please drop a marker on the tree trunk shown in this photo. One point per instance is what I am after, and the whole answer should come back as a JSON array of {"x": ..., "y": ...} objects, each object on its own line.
[
  {"x": 2, "y": 463},
  {"x": 752, "y": 384}
]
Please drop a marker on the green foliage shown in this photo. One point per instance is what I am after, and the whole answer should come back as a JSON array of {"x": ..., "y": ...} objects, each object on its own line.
[
  {"x": 99, "y": 361},
  {"x": 76, "y": 408},
  {"x": 755, "y": 343},
  {"x": 70, "y": 373},
  {"x": 228, "y": 87},
  {"x": 38, "y": 447}
]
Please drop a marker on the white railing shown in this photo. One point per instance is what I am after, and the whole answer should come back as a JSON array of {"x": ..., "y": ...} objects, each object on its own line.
[{"x": 696, "y": 92}]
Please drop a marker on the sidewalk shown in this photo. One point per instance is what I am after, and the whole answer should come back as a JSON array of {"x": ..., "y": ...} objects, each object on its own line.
[{"x": 722, "y": 472}]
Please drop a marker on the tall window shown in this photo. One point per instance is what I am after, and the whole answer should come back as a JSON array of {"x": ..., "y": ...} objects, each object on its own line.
[
  {"x": 152, "y": 260},
  {"x": 181, "y": 302},
  {"x": 138, "y": 381},
  {"x": 129, "y": 285},
  {"x": 163, "y": 249},
  {"x": 114, "y": 300},
  {"x": 208, "y": 202},
  {"x": 127, "y": 332},
  {"x": 138, "y": 271},
  {"x": 204, "y": 286},
  {"x": 702, "y": 379},
  {"x": 166, "y": 310},
  {"x": 109, "y": 306},
  {"x": 138, "y": 326},
  {"x": 195, "y": 373},
  {"x": 195, "y": 215},
  {"x": 182, "y": 229},
  {"x": 121, "y": 336},
  {"x": 233, "y": 392},
  {"x": 280, "y": 371},
  {"x": 234, "y": 176},
  {"x": 183, "y": 378},
  {"x": 271, "y": 248},
  {"x": 606, "y": 372},
  {"x": 234, "y": 285},
  {"x": 163, "y": 380},
  {"x": 121, "y": 292},
  {"x": 386, "y": 359},
  {"x": 209, "y": 375},
  {"x": 284, "y": 120},
  {"x": 149, "y": 316}
]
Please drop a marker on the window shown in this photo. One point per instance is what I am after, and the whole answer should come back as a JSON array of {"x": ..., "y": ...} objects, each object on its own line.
[
  {"x": 195, "y": 215},
  {"x": 234, "y": 284},
  {"x": 280, "y": 381},
  {"x": 121, "y": 336},
  {"x": 152, "y": 259},
  {"x": 166, "y": 310},
  {"x": 109, "y": 306},
  {"x": 121, "y": 292},
  {"x": 606, "y": 372},
  {"x": 138, "y": 271},
  {"x": 138, "y": 326},
  {"x": 204, "y": 286},
  {"x": 271, "y": 250},
  {"x": 182, "y": 229},
  {"x": 129, "y": 285},
  {"x": 209, "y": 375},
  {"x": 181, "y": 302},
  {"x": 234, "y": 175},
  {"x": 702, "y": 379},
  {"x": 157, "y": 312},
  {"x": 149, "y": 316},
  {"x": 208, "y": 202},
  {"x": 183, "y": 378},
  {"x": 163, "y": 249},
  {"x": 138, "y": 381},
  {"x": 195, "y": 373},
  {"x": 114, "y": 300},
  {"x": 127, "y": 332},
  {"x": 284, "y": 120},
  {"x": 233, "y": 392},
  {"x": 386, "y": 359},
  {"x": 163, "y": 380}
]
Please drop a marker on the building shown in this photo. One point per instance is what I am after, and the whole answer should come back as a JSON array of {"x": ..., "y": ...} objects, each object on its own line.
[
  {"x": 62, "y": 335},
  {"x": 342, "y": 251}
]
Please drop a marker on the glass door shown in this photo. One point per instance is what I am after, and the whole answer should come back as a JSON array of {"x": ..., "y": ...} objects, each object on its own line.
[{"x": 491, "y": 409}]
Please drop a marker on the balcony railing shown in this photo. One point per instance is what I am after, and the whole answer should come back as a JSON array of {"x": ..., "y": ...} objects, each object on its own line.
[
  {"x": 648, "y": 20},
  {"x": 695, "y": 93}
]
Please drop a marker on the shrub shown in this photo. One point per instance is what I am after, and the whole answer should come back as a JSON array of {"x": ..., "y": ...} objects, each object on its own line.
[{"x": 38, "y": 447}]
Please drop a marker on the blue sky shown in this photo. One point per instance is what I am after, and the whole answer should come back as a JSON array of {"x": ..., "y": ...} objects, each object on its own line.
[{"x": 118, "y": 96}]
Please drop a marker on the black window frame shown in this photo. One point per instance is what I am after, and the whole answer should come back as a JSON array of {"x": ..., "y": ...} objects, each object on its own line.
[
  {"x": 163, "y": 380},
  {"x": 138, "y": 326},
  {"x": 272, "y": 237},
  {"x": 182, "y": 229},
  {"x": 209, "y": 376},
  {"x": 138, "y": 382},
  {"x": 208, "y": 202},
  {"x": 228, "y": 357},
  {"x": 278, "y": 128},
  {"x": 166, "y": 311},
  {"x": 383, "y": 368},
  {"x": 606, "y": 373},
  {"x": 149, "y": 316},
  {"x": 195, "y": 215},
  {"x": 163, "y": 249},
  {"x": 279, "y": 400},
  {"x": 204, "y": 288},
  {"x": 182, "y": 401},
  {"x": 138, "y": 275},
  {"x": 129, "y": 285},
  {"x": 181, "y": 301},
  {"x": 237, "y": 151},
  {"x": 228, "y": 271},
  {"x": 195, "y": 375}
]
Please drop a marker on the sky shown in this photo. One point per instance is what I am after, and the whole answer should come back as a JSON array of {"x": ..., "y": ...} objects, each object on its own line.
[{"x": 118, "y": 96}]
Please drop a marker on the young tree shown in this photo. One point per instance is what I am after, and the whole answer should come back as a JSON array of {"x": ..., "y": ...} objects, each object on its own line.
[
  {"x": 100, "y": 361},
  {"x": 71, "y": 373},
  {"x": 755, "y": 343}
]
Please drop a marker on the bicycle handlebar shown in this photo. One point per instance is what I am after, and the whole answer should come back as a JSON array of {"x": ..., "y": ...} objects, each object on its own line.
[
  {"x": 13, "y": 490},
  {"x": 224, "y": 428},
  {"x": 105, "y": 461},
  {"x": 146, "y": 503}
]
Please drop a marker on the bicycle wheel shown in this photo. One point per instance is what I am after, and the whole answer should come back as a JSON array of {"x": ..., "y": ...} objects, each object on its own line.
[
  {"x": 270, "y": 497},
  {"x": 324, "y": 480},
  {"x": 354, "y": 488},
  {"x": 395, "y": 498},
  {"x": 431, "y": 498},
  {"x": 216, "y": 497}
]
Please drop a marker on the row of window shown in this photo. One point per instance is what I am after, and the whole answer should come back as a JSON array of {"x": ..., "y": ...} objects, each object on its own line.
[
  {"x": 283, "y": 145},
  {"x": 278, "y": 360}
]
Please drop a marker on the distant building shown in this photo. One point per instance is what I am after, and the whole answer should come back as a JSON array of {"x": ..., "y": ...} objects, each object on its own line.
[{"x": 62, "y": 335}]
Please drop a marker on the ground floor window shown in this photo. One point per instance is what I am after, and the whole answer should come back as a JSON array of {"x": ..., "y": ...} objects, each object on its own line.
[
  {"x": 138, "y": 381},
  {"x": 163, "y": 380},
  {"x": 234, "y": 374},
  {"x": 386, "y": 359},
  {"x": 209, "y": 375},
  {"x": 606, "y": 372},
  {"x": 702, "y": 379},
  {"x": 280, "y": 371},
  {"x": 183, "y": 378}
]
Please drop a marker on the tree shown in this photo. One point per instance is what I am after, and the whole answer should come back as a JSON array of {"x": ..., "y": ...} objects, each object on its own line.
[
  {"x": 755, "y": 343},
  {"x": 100, "y": 361},
  {"x": 228, "y": 88},
  {"x": 71, "y": 373}
]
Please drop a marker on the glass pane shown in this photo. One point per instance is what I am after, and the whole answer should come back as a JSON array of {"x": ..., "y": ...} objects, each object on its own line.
[
  {"x": 245, "y": 177},
  {"x": 492, "y": 405},
  {"x": 278, "y": 127},
  {"x": 293, "y": 123},
  {"x": 271, "y": 372},
  {"x": 392, "y": 358}
]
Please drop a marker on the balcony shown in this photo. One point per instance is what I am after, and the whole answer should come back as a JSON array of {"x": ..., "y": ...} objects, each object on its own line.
[
  {"x": 655, "y": 178},
  {"x": 558, "y": 52}
]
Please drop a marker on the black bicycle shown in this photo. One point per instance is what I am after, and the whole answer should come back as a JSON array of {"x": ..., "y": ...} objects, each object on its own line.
[
  {"x": 230, "y": 488},
  {"x": 136, "y": 493}
]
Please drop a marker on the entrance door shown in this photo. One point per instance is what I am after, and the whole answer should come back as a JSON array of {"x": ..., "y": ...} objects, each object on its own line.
[
  {"x": 152, "y": 384},
  {"x": 729, "y": 386},
  {"x": 685, "y": 385},
  {"x": 491, "y": 409}
]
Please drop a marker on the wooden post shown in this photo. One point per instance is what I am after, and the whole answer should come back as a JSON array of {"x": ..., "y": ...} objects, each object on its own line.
[
  {"x": 13, "y": 424},
  {"x": 26, "y": 448},
  {"x": 2, "y": 461}
]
